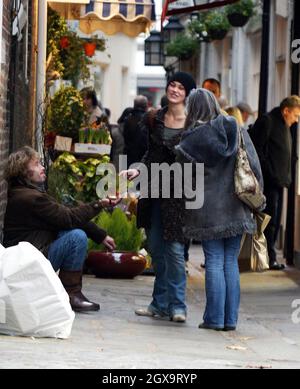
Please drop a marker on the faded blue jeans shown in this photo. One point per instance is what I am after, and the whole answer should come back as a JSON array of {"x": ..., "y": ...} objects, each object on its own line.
[
  {"x": 169, "y": 267},
  {"x": 222, "y": 282},
  {"x": 68, "y": 251}
]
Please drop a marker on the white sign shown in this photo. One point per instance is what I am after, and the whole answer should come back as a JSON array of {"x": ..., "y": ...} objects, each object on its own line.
[{"x": 181, "y": 4}]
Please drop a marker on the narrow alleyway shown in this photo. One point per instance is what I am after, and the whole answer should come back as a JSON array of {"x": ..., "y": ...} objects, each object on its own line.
[{"x": 116, "y": 338}]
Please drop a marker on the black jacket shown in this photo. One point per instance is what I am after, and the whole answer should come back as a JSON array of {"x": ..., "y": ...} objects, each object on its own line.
[
  {"x": 35, "y": 217},
  {"x": 273, "y": 142},
  {"x": 135, "y": 138},
  {"x": 160, "y": 151}
]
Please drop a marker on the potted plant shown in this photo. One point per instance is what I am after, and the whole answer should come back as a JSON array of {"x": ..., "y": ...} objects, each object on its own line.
[
  {"x": 198, "y": 30},
  {"x": 183, "y": 46},
  {"x": 217, "y": 24},
  {"x": 125, "y": 262},
  {"x": 65, "y": 113},
  {"x": 80, "y": 177},
  {"x": 65, "y": 53},
  {"x": 239, "y": 13}
]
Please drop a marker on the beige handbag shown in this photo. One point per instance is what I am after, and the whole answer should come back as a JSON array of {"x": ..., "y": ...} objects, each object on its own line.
[
  {"x": 247, "y": 187},
  {"x": 254, "y": 250}
]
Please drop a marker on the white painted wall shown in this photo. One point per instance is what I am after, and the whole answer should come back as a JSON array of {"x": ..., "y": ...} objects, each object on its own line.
[{"x": 113, "y": 73}]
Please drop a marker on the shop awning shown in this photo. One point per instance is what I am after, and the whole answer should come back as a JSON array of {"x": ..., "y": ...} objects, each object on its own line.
[
  {"x": 130, "y": 17},
  {"x": 176, "y": 7}
]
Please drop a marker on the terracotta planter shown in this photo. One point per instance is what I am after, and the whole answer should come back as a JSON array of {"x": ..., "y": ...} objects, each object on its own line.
[
  {"x": 237, "y": 20},
  {"x": 115, "y": 264},
  {"x": 89, "y": 49}
]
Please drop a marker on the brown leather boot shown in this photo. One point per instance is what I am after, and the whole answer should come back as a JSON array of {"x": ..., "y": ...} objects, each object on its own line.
[{"x": 72, "y": 282}]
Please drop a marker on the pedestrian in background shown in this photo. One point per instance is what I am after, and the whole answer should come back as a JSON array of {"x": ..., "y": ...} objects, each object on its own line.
[
  {"x": 135, "y": 139},
  {"x": 272, "y": 138}
]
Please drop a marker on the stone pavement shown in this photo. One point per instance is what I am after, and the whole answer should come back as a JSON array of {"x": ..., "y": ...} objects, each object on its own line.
[{"x": 116, "y": 338}]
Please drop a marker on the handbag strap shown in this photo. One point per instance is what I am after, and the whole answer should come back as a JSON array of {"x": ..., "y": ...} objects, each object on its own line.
[{"x": 241, "y": 139}]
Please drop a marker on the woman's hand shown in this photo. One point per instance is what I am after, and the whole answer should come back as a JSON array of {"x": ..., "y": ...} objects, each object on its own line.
[
  {"x": 131, "y": 174},
  {"x": 109, "y": 243}
]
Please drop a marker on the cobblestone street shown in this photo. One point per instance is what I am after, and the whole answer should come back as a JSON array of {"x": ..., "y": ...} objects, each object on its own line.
[{"x": 116, "y": 338}]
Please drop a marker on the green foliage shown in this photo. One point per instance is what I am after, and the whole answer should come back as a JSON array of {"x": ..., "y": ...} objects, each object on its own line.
[
  {"x": 244, "y": 7},
  {"x": 198, "y": 30},
  {"x": 183, "y": 46},
  {"x": 215, "y": 21},
  {"x": 59, "y": 186},
  {"x": 74, "y": 60},
  {"x": 70, "y": 62},
  {"x": 80, "y": 176},
  {"x": 56, "y": 29},
  {"x": 123, "y": 229},
  {"x": 66, "y": 113}
]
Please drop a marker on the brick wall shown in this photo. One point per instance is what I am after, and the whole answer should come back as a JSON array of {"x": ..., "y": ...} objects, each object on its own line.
[
  {"x": 4, "y": 103},
  {"x": 16, "y": 91}
]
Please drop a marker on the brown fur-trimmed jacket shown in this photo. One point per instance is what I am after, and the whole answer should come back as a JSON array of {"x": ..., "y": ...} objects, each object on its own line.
[{"x": 35, "y": 217}]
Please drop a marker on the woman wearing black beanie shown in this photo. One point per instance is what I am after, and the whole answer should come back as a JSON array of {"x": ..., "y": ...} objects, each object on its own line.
[{"x": 163, "y": 218}]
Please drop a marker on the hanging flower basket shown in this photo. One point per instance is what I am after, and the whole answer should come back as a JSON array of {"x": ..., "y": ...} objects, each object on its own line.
[
  {"x": 216, "y": 24},
  {"x": 238, "y": 14},
  {"x": 238, "y": 19},
  {"x": 217, "y": 35},
  {"x": 89, "y": 49}
]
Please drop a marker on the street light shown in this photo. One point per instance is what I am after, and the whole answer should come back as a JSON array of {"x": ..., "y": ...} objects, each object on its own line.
[
  {"x": 173, "y": 28},
  {"x": 154, "y": 55}
]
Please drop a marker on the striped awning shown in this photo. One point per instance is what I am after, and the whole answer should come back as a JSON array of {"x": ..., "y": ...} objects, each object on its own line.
[
  {"x": 177, "y": 7},
  {"x": 130, "y": 17}
]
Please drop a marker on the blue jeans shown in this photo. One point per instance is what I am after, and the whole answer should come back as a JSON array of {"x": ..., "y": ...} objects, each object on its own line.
[
  {"x": 68, "y": 251},
  {"x": 169, "y": 267},
  {"x": 222, "y": 282}
]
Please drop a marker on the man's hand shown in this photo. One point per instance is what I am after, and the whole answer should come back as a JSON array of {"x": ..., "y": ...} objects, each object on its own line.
[
  {"x": 110, "y": 202},
  {"x": 109, "y": 243},
  {"x": 131, "y": 174}
]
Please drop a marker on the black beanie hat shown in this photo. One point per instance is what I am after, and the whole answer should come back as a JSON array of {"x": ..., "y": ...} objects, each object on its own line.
[{"x": 185, "y": 79}]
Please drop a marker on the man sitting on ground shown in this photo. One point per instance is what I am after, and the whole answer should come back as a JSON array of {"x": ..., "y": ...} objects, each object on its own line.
[{"x": 59, "y": 232}]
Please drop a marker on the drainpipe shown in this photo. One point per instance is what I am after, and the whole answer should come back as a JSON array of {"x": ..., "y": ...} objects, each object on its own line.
[
  {"x": 41, "y": 73},
  {"x": 33, "y": 60},
  {"x": 264, "y": 68},
  {"x": 291, "y": 223}
]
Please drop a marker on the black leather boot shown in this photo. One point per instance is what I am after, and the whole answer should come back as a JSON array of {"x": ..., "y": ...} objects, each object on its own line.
[{"x": 72, "y": 282}]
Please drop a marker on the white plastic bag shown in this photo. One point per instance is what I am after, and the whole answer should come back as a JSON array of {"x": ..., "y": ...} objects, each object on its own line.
[{"x": 35, "y": 301}]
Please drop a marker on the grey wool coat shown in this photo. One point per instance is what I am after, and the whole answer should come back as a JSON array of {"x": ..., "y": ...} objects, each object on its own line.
[{"x": 223, "y": 215}]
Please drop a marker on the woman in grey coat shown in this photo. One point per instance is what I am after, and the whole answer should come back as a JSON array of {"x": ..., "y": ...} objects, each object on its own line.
[{"x": 212, "y": 138}]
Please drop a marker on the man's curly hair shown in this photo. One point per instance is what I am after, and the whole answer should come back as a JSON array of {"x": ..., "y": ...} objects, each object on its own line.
[{"x": 18, "y": 161}]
